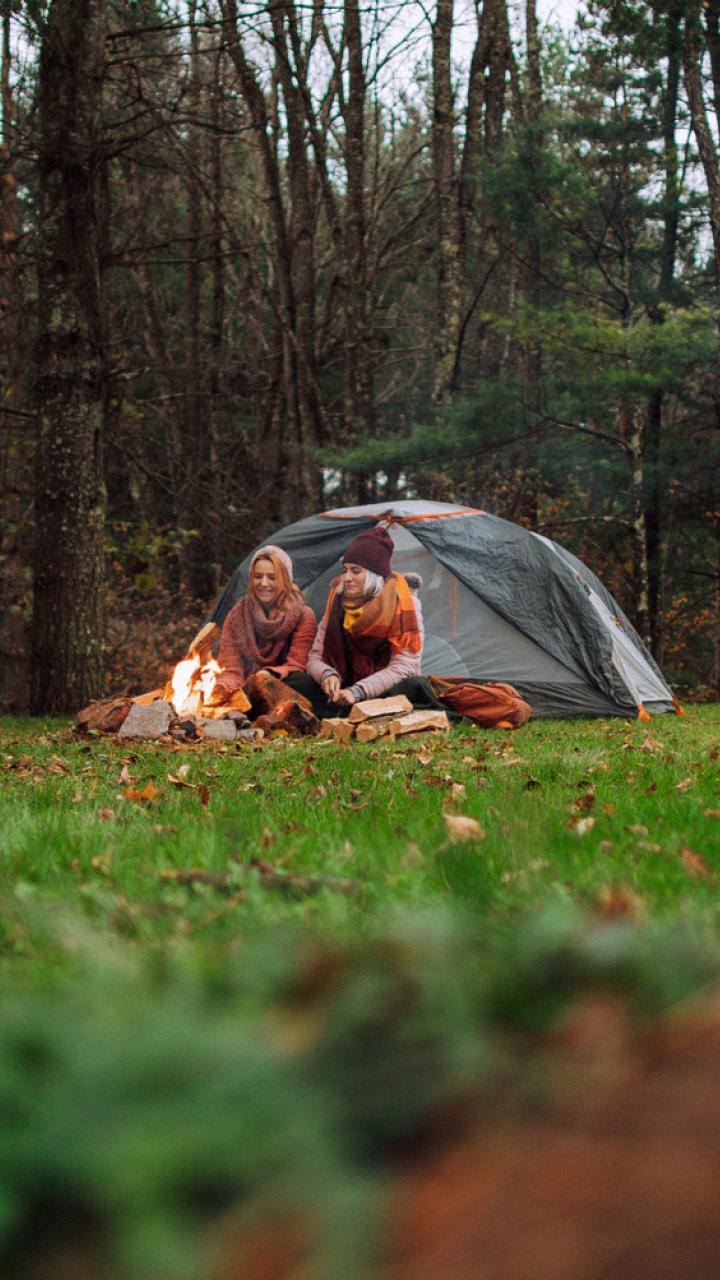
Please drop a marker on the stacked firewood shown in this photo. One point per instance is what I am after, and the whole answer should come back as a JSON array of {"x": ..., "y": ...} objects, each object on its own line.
[{"x": 380, "y": 718}]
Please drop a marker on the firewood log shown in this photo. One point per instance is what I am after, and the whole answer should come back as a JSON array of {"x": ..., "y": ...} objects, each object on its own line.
[
  {"x": 337, "y": 727},
  {"x": 372, "y": 707},
  {"x": 203, "y": 642}
]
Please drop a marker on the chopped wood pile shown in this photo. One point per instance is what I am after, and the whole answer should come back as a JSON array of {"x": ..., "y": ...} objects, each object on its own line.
[{"x": 381, "y": 718}]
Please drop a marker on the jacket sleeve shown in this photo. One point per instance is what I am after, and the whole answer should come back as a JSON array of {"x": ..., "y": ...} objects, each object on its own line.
[
  {"x": 300, "y": 644},
  {"x": 233, "y": 676},
  {"x": 316, "y": 665}
]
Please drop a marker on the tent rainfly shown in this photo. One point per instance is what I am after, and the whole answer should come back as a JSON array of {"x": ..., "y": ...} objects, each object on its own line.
[{"x": 499, "y": 603}]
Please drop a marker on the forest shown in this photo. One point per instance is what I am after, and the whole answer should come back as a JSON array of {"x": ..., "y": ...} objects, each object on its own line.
[{"x": 264, "y": 259}]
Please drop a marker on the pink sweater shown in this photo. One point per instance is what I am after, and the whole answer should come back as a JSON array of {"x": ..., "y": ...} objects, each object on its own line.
[{"x": 399, "y": 667}]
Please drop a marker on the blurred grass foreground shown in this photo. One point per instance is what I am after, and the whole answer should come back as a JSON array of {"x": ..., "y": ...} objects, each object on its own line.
[{"x": 421, "y": 1106}]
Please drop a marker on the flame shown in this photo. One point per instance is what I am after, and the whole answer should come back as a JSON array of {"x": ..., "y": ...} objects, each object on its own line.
[{"x": 192, "y": 685}]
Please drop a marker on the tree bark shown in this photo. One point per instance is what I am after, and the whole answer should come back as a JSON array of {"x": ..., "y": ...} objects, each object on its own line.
[
  {"x": 692, "y": 58},
  {"x": 68, "y": 580},
  {"x": 449, "y": 278}
]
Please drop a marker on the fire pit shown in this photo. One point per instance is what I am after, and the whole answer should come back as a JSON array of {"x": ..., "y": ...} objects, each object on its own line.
[{"x": 193, "y": 705}]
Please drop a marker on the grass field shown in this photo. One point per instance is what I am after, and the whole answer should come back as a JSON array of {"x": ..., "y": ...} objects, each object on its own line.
[
  {"x": 342, "y": 966},
  {"x": 620, "y": 817}
]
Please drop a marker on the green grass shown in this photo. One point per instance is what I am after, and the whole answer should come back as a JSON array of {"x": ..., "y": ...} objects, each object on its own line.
[
  {"x": 75, "y": 846},
  {"x": 172, "y": 1056}
]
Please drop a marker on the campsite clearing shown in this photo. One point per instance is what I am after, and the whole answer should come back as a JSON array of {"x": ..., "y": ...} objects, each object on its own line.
[{"x": 620, "y": 817}]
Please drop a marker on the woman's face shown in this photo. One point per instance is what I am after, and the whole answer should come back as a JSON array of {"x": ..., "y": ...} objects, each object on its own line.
[
  {"x": 353, "y": 576},
  {"x": 266, "y": 585}
]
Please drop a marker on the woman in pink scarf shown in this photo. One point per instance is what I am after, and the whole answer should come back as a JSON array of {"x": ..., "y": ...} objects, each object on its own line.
[{"x": 271, "y": 628}]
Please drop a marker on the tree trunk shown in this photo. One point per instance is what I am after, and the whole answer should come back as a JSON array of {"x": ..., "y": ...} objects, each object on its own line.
[
  {"x": 692, "y": 57},
  {"x": 449, "y": 279},
  {"x": 68, "y": 612},
  {"x": 666, "y": 290}
]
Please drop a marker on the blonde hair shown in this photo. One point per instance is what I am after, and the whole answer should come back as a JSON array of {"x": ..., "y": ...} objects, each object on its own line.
[{"x": 288, "y": 590}]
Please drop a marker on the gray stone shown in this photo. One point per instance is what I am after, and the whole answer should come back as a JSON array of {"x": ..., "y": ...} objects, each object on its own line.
[
  {"x": 246, "y": 735},
  {"x": 220, "y": 730},
  {"x": 147, "y": 720}
]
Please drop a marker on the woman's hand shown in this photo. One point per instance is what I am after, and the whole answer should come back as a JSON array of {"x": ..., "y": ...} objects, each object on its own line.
[
  {"x": 345, "y": 698},
  {"x": 331, "y": 687}
]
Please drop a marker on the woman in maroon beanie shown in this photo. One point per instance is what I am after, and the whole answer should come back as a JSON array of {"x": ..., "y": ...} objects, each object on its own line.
[{"x": 371, "y": 635}]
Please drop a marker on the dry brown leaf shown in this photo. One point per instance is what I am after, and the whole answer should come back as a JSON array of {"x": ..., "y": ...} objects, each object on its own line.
[
  {"x": 531, "y": 784},
  {"x": 581, "y": 826},
  {"x": 649, "y": 846},
  {"x": 250, "y": 786},
  {"x": 424, "y": 757},
  {"x": 180, "y": 782},
  {"x": 608, "y": 808},
  {"x": 457, "y": 790},
  {"x": 125, "y": 776},
  {"x": 102, "y": 862},
  {"x": 684, "y": 784},
  {"x": 711, "y": 813},
  {"x": 586, "y": 801},
  {"x": 204, "y": 795},
  {"x": 105, "y": 814},
  {"x": 267, "y": 838},
  {"x": 462, "y": 828},
  {"x": 183, "y": 771},
  {"x": 619, "y": 902},
  {"x": 638, "y": 829},
  {"x": 149, "y": 792},
  {"x": 694, "y": 863}
]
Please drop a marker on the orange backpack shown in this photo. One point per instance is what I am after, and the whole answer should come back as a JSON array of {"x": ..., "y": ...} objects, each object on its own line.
[{"x": 494, "y": 706}]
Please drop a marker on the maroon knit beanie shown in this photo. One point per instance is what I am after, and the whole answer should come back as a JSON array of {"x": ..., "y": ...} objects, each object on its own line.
[{"x": 372, "y": 549}]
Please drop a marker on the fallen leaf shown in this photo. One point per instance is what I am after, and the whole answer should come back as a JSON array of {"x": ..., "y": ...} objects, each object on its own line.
[
  {"x": 125, "y": 776},
  {"x": 651, "y": 789},
  {"x": 457, "y": 790},
  {"x": 694, "y": 863},
  {"x": 105, "y": 814},
  {"x": 637, "y": 829},
  {"x": 267, "y": 838},
  {"x": 183, "y": 771},
  {"x": 586, "y": 801},
  {"x": 204, "y": 796},
  {"x": 581, "y": 825},
  {"x": 683, "y": 786},
  {"x": 250, "y": 786},
  {"x": 608, "y": 808},
  {"x": 649, "y": 846},
  {"x": 149, "y": 792},
  {"x": 462, "y": 828},
  {"x": 320, "y": 791},
  {"x": 619, "y": 902},
  {"x": 711, "y": 813},
  {"x": 180, "y": 782},
  {"x": 531, "y": 784},
  {"x": 102, "y": 862}
]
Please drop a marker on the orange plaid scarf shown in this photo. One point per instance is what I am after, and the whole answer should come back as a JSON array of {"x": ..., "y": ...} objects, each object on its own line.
[{"x": 387, "y": 624}]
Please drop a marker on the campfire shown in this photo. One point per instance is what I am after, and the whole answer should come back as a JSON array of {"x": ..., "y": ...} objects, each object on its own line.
[{"x": 194, "y": 705}]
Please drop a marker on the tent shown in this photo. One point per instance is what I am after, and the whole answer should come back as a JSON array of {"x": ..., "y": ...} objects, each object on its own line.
[{"x": 499, "y": 603}]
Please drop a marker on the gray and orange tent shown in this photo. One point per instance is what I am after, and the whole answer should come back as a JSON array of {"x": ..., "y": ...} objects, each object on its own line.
[{"x": 499, "y": 603}]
